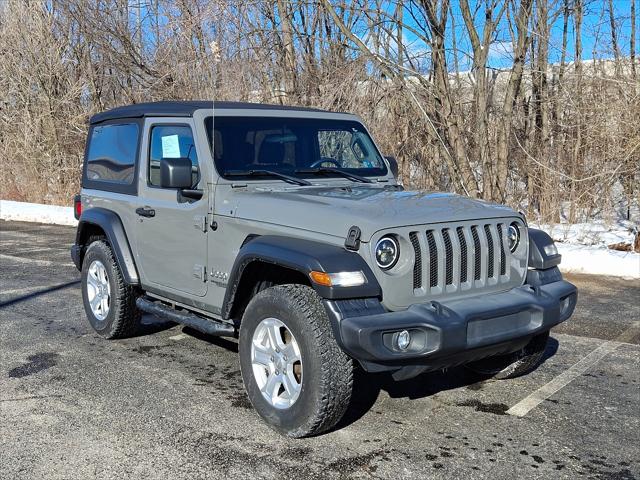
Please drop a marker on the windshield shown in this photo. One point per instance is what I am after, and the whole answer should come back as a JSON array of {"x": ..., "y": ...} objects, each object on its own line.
[{"x": 289, "y": 145}]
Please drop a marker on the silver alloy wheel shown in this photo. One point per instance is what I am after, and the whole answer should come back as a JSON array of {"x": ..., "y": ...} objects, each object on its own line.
[
  {"x": 276, "y": 363},
  {"x": 98, "y": 290}
]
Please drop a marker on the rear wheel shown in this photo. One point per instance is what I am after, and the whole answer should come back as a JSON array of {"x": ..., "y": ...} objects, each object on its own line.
[
  {"x": 296, "y": 376},
  {"x": 110, "y": 304},
  {"x": 514, "y": 364}
]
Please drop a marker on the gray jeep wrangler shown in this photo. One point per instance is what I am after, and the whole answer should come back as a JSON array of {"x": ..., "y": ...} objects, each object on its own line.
[{"x": 285, "y": 227}]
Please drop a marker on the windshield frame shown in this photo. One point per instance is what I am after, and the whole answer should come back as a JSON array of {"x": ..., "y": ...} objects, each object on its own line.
[{"x": 382, "y": 174}]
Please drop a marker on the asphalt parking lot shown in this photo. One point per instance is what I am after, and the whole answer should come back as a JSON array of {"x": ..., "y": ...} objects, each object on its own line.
[{"x": 170, "y": 403}]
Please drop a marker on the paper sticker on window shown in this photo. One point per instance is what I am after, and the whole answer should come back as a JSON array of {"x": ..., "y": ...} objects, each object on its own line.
[{"x": 170, "y": 147}]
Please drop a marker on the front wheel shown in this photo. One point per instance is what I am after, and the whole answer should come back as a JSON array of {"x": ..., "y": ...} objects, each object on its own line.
[
  {"x": 514, "y": 364},
  {"x": 296, "y": 376}
]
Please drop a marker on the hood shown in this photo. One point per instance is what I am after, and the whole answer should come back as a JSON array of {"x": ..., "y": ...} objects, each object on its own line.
[{"x": 333, "y": 210}]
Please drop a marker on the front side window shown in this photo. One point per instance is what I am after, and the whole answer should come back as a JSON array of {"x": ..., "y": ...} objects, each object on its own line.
[
  {"x": 112, "y": 153},
  {"x": 288, "y": 145},
  {"x": 171, "y": 141}
]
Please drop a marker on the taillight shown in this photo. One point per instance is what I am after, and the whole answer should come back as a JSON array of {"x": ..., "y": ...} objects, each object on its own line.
[{"x": 77, "y": 206}]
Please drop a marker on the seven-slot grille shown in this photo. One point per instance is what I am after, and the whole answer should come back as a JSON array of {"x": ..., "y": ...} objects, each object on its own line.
[{"x": 453, "y": 258}]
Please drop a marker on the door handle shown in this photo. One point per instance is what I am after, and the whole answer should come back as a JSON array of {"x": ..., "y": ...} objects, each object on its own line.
[{"x": 146, "y": 212}]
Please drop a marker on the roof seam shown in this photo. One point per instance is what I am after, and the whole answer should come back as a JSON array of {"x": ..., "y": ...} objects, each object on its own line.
[{"x": 186, "y": 108}]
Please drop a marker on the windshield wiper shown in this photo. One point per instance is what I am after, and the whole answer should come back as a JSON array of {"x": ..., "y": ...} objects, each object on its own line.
[
  {"x": 266, "y": 173},
  {"x": 326, "y": 170}
]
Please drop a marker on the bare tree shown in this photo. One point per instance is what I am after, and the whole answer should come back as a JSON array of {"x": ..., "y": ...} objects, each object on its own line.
[{"x": 535, "y": 134}]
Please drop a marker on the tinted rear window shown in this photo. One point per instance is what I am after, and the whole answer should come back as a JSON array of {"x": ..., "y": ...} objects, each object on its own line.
[{"x": 112, "y": 153}]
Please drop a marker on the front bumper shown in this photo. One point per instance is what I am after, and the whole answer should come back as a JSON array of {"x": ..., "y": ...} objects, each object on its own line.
[{"x": 450, "y": 333}]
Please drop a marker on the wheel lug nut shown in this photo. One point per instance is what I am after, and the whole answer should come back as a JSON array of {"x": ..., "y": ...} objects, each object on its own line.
[
  {"x": 273, "y": 359},
  {"x": 277, "y": 372}
]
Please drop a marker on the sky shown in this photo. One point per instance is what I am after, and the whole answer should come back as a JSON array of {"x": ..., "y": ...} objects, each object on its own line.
[{"x": 595, "y": 35}]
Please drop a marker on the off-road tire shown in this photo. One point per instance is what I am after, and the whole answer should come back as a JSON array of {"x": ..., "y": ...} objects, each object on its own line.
[
  {"x": 502, "y": 367},
  {"x": 123, "y": 318},
  {"x": 327, "y": 378}
]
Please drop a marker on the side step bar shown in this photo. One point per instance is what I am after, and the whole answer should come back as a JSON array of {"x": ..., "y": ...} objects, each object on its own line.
[{"x": 202, "y": 324}]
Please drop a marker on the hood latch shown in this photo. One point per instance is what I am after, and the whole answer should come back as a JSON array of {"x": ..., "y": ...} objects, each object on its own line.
[{"x": 352, "y": 241}]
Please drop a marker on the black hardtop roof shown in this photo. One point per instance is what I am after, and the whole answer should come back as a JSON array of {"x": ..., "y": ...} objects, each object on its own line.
[{"x": 183, "y": 109}]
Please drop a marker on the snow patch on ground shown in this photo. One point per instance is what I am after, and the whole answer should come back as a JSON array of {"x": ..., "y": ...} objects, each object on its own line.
[
  {"x": 583, "y": 247},
  {"x": 597, "y": 233},
  {"x": 598, "y": 261},
  {"x": 34, "y": 212}
]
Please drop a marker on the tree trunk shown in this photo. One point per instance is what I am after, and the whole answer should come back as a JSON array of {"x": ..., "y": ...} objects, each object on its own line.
[
  {"x": 289, "y": 61},
  {"x": 632, "y": 40},
  {"x": 511, "y": 93},
  {"x": 576, "y": 166},
  {"x": 481, "y": 48}
]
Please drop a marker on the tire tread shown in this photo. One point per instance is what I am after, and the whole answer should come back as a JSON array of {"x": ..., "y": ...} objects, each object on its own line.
[
  {"x": 333, "y": 369},
  {"x": 337, "y": 385},
  {"x": 127, "y": 316},
  {"x": 522, "y": 363}
]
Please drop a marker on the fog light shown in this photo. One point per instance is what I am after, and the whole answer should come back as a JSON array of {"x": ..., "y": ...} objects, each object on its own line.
[{"x": 403, "y": 340}]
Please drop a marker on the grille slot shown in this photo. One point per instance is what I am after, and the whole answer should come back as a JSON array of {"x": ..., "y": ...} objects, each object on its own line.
[
  {"x": 487, "y": 232},
  {"x": 433, "y": 259},
  {"x": 460, "y": 258},
  {"x": 417, "y": 266},
  {"x": 463, "y": 254},
  {"x": 503, "y": 255},
  {"x": 478, "y": 252},
  {"x": 448, "y": 257}
]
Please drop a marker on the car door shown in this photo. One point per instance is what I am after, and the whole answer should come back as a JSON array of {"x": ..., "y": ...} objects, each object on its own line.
[{"x": 172, "y": 229}]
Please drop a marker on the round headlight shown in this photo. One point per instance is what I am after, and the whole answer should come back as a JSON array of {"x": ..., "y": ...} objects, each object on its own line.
[
  {"x": 513, "y": 236},
  {"x": 387, "y": 252}
]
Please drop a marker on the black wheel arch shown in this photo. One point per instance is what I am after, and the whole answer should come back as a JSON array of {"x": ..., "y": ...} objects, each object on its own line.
[
  {"x": 300, "y": 257},
  {"x": 94, "y": 221}
]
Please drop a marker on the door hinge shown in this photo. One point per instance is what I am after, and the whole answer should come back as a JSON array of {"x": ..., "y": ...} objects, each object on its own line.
[
  {"x": 200, "y": 271},
  {"x": 201, "y": 222}
]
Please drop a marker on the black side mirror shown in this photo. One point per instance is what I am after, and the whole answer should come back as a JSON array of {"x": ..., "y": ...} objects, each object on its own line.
[
  {"x": 393, "y": 164},
  {"x": 175, "y": 173}
]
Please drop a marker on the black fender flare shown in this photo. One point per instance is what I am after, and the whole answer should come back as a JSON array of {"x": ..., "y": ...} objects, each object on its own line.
[
  {"x": 112, "y": 226},
  {"x": 302, "y": 256}
]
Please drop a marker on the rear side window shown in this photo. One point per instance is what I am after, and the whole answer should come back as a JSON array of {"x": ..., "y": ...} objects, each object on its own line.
[{"x": 112, "y": 153}]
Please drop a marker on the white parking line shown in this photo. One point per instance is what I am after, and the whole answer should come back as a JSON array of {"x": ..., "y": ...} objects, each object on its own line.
[
  {"x": 16, "y": 234},
  {"x": 180, "y": 336},
  {"x": 24, "y": 291},
  {"x": 43, "y": 249},
  {"x": 527, "y": 404},
  {"x": 34, "y": 261}
]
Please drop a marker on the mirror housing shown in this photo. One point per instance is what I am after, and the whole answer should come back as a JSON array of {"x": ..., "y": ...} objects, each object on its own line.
[
  {"x": 175, "y": 173},
  {"x": 393, "y": 165}
]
